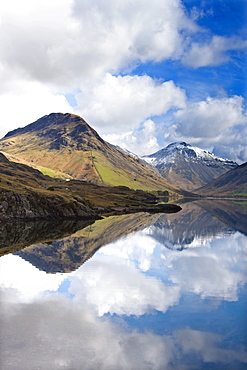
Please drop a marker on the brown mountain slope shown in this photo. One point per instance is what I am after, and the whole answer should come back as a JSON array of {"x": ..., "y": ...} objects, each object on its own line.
[
  {"x": 25, "y": 193},
  {"x": 64, "y": 145},
  {"x": 232, "y": 183},
  {"x": 188, "y": 166}
]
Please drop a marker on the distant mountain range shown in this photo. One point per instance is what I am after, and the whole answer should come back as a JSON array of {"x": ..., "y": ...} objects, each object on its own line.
[
  {"x": 188, "y": 166},
  {"x": 64, "y": 145}
]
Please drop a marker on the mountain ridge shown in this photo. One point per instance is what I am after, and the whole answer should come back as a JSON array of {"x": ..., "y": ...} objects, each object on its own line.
[
  {"x": 188, "y": 166},
  {"x": 232, "y": 183},
  {"x": 25, "y": 193},
  {"x": 65, "y": 145}
]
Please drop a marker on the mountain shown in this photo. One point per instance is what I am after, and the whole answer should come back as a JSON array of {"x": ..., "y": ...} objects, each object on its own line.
[
  {"x": 232, "y": 183},
  {"x": 187, "y": 166},
  {"x": 64, "y": 145},
  {"x": 26, "y": 193}
]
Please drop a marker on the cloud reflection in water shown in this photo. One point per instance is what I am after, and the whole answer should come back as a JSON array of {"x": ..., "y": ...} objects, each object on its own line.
[{"x": 86, "y": 321}]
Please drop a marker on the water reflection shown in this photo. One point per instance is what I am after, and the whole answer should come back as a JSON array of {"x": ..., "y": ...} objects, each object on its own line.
[
  {"x": 171, "y": 295},
  {"x": 17, "y": 235}
]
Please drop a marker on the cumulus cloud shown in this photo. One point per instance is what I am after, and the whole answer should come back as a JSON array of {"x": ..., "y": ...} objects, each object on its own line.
[
  {"x": 210, "y": 118},
  {"x": 47, "y": 56},
  {"x": 216, "y": 124},
  {"x": 76, "y": 47},
  {"x": 212, "y": 53},
  {"x": 88, "y": 38},
  {"x": 117, "y": 103},
  {"x": 140, "y": 141},
  {"x": 26, "y": 101}
]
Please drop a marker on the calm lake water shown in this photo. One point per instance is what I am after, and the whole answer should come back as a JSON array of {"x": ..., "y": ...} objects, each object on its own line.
[{"x": 128, "y": 292}]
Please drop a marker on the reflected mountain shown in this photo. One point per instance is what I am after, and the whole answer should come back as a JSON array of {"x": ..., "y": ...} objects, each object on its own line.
[
  {"x": 192, "y": 226},
  {"x": 232, "y": 213},
  {"x": 196, "y": 224},
  {"x": 17, "y": 235},
  {"x": 70, "y": 253}
]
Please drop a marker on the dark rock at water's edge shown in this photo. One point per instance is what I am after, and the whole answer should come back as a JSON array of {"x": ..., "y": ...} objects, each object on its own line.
[{"x": 31, "y": 206}]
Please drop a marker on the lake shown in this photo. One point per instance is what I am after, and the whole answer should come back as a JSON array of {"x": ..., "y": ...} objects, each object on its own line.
[{"x": 138, "y": 291}]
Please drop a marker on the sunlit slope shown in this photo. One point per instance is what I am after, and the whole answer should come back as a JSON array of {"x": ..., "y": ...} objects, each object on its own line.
[{"x": 64, "y": 145}]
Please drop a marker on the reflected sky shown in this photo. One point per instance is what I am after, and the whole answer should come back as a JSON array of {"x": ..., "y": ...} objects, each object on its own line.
[{"x": 136, "y": 304}]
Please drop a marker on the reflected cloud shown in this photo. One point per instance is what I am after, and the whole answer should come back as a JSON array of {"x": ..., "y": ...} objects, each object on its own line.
[
  {"x": 55, "y": 334},
  {"x": 216, "y": 270},
  {"x": 192, "y": 227},
  {"x": 136, "y": 275},
  {"x": 64, "y": 336},
  {"x": 101, "y": 315},
  {"x": 28, "y": 281},
  {"x": 209, "y": 347},
  {"x": 115, "y": 286}
]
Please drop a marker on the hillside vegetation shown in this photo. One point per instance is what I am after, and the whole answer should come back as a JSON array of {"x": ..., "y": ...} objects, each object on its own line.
[
  {"x": 27, "y": 193},
  {"x": 65, "y": 146}
]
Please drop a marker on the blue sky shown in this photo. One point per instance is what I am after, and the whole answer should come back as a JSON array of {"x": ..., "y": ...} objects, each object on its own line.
[{"x": 143, "y": 74}]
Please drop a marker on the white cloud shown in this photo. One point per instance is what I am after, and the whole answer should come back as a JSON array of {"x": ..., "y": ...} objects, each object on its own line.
[
  {"x": 213, "y": 53},
  {"x": 27, "y": 101},
  {"x": 64, "y": 41},
  {"x": 52, "y": 48},
  {"x": 140, "y": 141},
  {"x": 210, "y": 118},
  {"x": 120, "y": 103},
  {"x": 217, "y": 124}
]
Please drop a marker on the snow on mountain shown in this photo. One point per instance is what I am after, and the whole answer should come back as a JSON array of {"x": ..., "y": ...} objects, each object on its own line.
[
  {"x": 167, "y": 155},
  {"x": 188, "y": 166}
]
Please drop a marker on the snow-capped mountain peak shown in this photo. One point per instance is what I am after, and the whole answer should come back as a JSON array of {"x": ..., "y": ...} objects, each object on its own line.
[
  {"x": 188, "y": 166},
  {"x": 168, "y": 154}
]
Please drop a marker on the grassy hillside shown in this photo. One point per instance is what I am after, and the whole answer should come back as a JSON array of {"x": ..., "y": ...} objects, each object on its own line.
[
  {"x": 27, "y": 193},
  {"x": 65, "y": 146}
]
